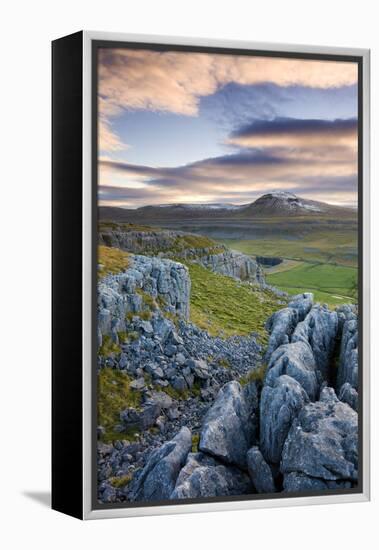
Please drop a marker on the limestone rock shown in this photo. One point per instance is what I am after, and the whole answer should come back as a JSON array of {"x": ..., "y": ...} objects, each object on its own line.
[
  {"x": 158, "y": 478},
  {"x": 280, "y": 404},
  {"x": 228, "y": 427},
  {"x": 323, "y": 441},
  {"x": 204, "y": 476},
  {"x": 259, "y": 471}
]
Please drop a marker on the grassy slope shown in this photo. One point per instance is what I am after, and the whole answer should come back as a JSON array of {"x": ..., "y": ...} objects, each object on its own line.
[
  {"x": 224, "y": 306},
  {"x": 114, "y": 395}
]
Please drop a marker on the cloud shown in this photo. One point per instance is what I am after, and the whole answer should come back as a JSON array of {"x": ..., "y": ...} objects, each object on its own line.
[
  {"x": 109, "y": 140},
  {"x": 176, "y": 81},
  {"x": 291, "y": 132},
  {"x": 318, "y": 161}
]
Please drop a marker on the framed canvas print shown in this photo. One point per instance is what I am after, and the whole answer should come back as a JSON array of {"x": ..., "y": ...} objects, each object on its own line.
[{"x": 210, "y": 275}]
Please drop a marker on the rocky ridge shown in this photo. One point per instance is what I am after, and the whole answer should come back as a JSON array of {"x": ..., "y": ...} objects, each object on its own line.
[{"x": 184, "y": 246}]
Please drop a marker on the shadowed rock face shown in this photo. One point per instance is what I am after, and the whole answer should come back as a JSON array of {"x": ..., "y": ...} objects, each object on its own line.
[
  {"x": 204, "y": 476},
  {"x": 279, "y": 405},
  {"x": 157, "y": 479},
  {"x": 295, "y": 360},
  {"x": 319, "y": 330},
  {"x": 234, "y": 264},
  {"x": 323, "y": 441},
  {"x": 348, "y": 363},
  {"x": 228, "y": 428}
]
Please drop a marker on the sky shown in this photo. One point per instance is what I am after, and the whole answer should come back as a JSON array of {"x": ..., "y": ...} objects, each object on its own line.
[{"x": 209, "y": 128}]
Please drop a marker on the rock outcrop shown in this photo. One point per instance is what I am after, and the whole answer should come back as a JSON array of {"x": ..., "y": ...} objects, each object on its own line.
[
  {"x": 146, "y": 279},
  {"x": 136, "y": 241},
  {"x": 234, "y": 264},
  {"x": 228, "y": 428},
  {"x": 323, "y": 441},
  {"x": 178, "y": 244}
]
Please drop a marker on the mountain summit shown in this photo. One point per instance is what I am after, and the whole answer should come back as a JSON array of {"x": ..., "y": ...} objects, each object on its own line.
[
  {"x": 275, "y": 204},
  {"x": 283, "y": 203}
]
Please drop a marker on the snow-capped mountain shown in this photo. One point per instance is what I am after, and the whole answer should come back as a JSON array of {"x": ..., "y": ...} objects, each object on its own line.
[{"x": 275, "y": 204}]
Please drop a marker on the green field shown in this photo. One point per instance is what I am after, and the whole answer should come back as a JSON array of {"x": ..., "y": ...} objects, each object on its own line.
[
  {"x": 320, "y": 261},
  {"x": 332, "y": 284},
  {"x": 338, "y": 247}
]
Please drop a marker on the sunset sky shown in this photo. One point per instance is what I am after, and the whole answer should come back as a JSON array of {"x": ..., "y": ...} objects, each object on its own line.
[{"x": 198, "y": 127}]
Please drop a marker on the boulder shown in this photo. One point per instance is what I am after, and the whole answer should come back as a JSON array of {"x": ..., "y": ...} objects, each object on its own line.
[
  {"x": 158, "y": 478},
  {"x": 295, "y": 360},
  {"x": 204, "y": 476},
  {"x": 228, "y": 427},
  {"x": 323, "y": 441},
  {"x": 140, "y": 419},
  {"x": 259, "y": 471},
  {"x": 154, "y": 404},
  {"x": 280, "y": 404},
  {"x": 138, "y": 383},
  {"x": 199, "y": 368}
]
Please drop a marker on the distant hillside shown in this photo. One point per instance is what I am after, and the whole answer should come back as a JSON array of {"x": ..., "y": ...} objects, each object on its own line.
[{"x": 278, "y": 204}]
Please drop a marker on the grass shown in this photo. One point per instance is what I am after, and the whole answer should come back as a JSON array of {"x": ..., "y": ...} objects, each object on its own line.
[
  {"x": 254, "y": 375},
  {"x": 197, "y": 242},
  {"x": 121, "y": 482},
  {"x": 223, "y": 362},
  {"x": 109, "y": 347},
  {"x": 147, "y": 299},
  {"x": 224, "y": 306},
  {"x": 176, "y": 394},
  {"x": 111, "y": 260},
  {"x": 195, "y": 443},
  {"x": 114, "y": 395},
  {"x": 331, "y": 284},
  {"x": 113, "y": 226}
]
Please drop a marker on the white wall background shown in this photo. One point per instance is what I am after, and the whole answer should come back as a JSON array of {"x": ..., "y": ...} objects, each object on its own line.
[{"x": 27, "y": 28}]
